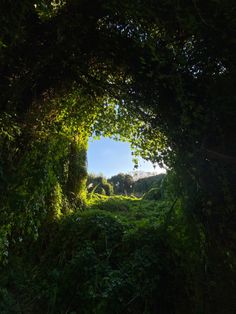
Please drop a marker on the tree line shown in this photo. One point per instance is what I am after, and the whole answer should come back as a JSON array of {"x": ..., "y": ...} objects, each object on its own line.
[{"x": 124, "y": 184}]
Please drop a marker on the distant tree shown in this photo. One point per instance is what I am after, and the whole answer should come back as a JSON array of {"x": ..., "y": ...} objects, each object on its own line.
[
  {"x": 143, "y": 185},
  {"x": 99, "y": 185},
  {"x": 122, "y": 183}
]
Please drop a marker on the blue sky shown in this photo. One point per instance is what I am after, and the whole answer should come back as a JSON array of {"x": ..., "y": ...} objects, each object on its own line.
[{"x": 111, "y": 157}]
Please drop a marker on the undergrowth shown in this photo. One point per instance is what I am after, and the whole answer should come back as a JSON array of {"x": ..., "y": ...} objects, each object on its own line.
[{"x": 120, "y": 255}]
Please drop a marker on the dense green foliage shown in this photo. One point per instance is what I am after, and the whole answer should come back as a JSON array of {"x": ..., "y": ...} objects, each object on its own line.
[
  {"x": 99, "y": 184},
  {"x": 124, "y": 184},
  {"x": 158, "y": 74},
  {"x": 117, "y": 256},
  {"x": 144, "y": 185},
  {"x": 43, "y": 167}
]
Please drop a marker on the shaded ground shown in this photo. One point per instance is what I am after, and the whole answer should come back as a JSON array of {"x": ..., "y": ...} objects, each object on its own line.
[{"x": 120, "y": 255}]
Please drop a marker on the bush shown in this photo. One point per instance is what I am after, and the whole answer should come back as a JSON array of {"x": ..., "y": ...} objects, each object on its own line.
[
  {"x": 153, "y": 194},
  {"x": 106, "y": 259}
]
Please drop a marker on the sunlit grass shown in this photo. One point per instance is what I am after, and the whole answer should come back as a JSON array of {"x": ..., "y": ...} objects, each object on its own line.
[{"x": 130, "y": 210}]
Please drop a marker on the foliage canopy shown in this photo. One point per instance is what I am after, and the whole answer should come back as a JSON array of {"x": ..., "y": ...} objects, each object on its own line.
[{"x": 159, "y": 74}]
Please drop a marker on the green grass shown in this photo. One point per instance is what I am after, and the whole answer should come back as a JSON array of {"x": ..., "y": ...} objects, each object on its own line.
[{"x": 131, "y": 210}]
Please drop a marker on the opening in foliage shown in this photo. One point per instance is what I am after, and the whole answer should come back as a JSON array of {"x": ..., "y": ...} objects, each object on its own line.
[{"x": 160, "y": 76}]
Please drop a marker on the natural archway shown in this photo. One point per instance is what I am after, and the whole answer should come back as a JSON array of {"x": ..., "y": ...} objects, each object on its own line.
[{"x": 161, "y": 76}]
